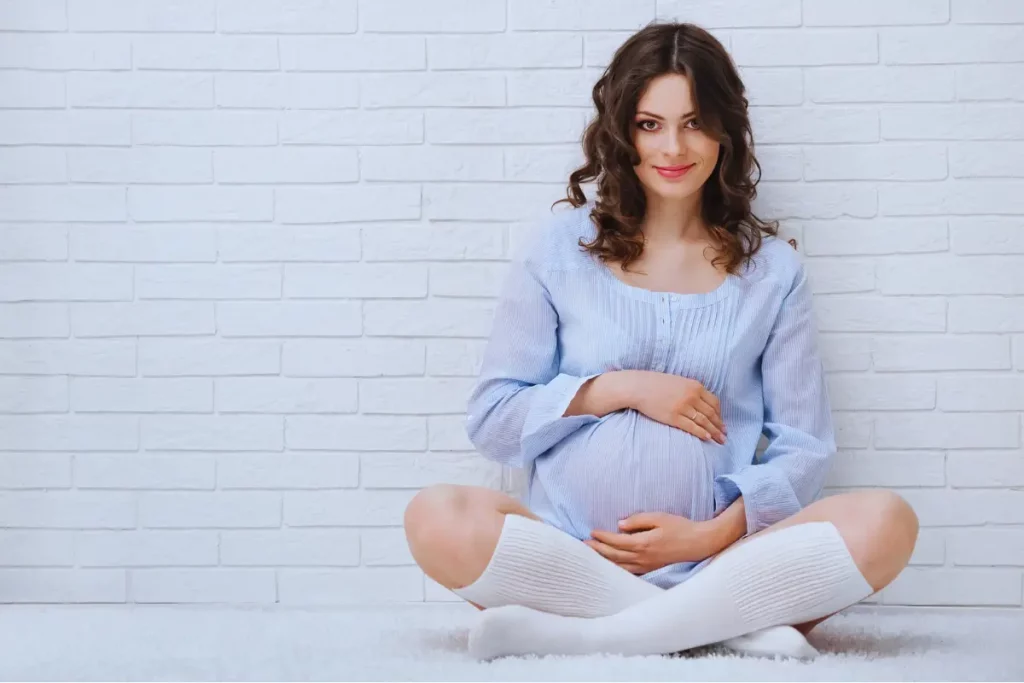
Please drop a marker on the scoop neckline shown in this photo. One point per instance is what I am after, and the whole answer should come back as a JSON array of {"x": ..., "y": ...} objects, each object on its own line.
[{"x": 688, "y": 300}]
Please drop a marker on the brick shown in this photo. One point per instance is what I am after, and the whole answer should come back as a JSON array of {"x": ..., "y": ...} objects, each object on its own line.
[
  {"x": 985, "y": 468},
  {"x": 135, "y": 395},
  {"x": 285, "y": 395},
  {"x": 933, "y": 352},
  {"x": 505, "y": 51},
  {"x": 439, "y": 241},
  {"x": 33, "y": 395},
  {"x": 418, "y": 470},
  {"x": 990, "y": 82},
  {"x": 874, "y": 84},
  {"x": 385, "y": 548},
  {"x": 773, "y": 87},
  {"x": 356, "y": 433},
  {"x": 876, "y": 237},
  {"x": 957, "y": 122},
  {"x": 853, "y": 430},
  {"x": 142, "y": 319},
  {"x": 981, "y": 393},
  {"x": 290, "y": 548},
  {"x": 146, "y": 548},
  {"x": 819, "y": 201},
  {"x": 430, "y": 163},
  {"x": 952, "y": 45},
  {"x": 986, "y": 314},
  {"x": 169, "y": 204},
  {"x": 140, "y": 90},
  {"x": 213, "y": 433},
  {"x": 202, "y": 281},
  {"x": 287, "y": 91},
  {"x": 814, "y": 47},
  {"x": 414, "y": 396},
  {"x": 351, "y": 203},
  {"x": 24, "y": 320},
  {"x": 877, "y": 314},
  {"x": 345, "y": 508},
  {"x": 69, "y": 433},
  {"x": 289, "y": 319},
  {"x": 549, "y": 87},
  {"x": 887, "y": 468},
  {"x": 65, "y": 282},
  {"x": 894, "y": 392},
  {"x": 446, "y": 16},
  {"x": 432, "y": 90},
  {"x": 40, "y": 15},
  {"x": 64, "y": 52},
  {"x": 946, "y": 430},
  {"x": 986, "y": 12},
  {"x": 952, "y": 275},
  {"x": 833, "y": 276},
  {"x": 784, "y": 125},
  {"x": 66, "y": 510},
  {"x": 208, "y": 357},
  {"x": 353, "y": 53},
  {"x": 876, "y": 162},
  {"x": 260, "y": 243},
  {"x": 930, "y": 547},
  {"x": 287, "y": 471},
  {"x": 143, "y": 471},
  {"x": 356, "y": 586},
  {"x": 539, "y": 126},
  {"x": 132, "y": 15},
  {"x": 141, "y": 165},
  {"x": 430, "y": 318},
  {"x": 986, "y": 547},
  {"x": 286, "y": 165},
  {"x": 239, "y": 586},
  {"x": 598, "y": 47},
  {"x": 353, "y": 358},
  {"x": 732, "y": 14},
  {"x": 455, "y": 357},
  {"x": 512, "y": 201},
  {"x": 204, "y": 128},
  {"x": 63, "y": 586},
  {"x": 315, "y": 281},
  {"x": 144, "y": 243},
  {"x": 941, "y": 507},
  {"x": 33, "y": 243},
  {"x": 37, "y": 549},
  {"x": 1018, "y": 352},
  {"x": 351, "y": 128},
  {"x": 54, "y": 203},
  {"x": 65, "y": 128},
  {"x": 208, "y": 510},
  {"x": 35, "y": 471},
  {"x": 578, "y": 15},
  {"x": 545, "y": 163},
  {"x": 986, "y": 160},
  {"x": 845, "y": 353},
  {"x": 448, "y": 433},
  {"x": 875, "y": 13},
  {"x": 293, "y": 16},
  {"x": 32, "y": 90},
  {"x": 954, "y": 587}
]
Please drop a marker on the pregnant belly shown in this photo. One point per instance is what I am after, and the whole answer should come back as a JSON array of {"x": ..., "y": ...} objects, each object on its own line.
[{"x": 622, "y": 465}]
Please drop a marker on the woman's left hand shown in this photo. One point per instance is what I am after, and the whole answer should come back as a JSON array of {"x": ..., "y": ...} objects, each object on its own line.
[{"x": 652, "y": 540}]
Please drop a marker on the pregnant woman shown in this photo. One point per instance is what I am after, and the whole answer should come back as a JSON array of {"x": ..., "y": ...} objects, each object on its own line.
[{"x": 644, "y": 342}]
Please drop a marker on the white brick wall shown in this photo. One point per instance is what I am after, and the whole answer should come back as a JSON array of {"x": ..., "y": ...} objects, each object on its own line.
[{"x": 249, "y": 251}]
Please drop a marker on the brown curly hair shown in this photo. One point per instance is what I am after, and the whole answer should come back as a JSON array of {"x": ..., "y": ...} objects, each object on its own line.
[{"x": 610, "y": 155}]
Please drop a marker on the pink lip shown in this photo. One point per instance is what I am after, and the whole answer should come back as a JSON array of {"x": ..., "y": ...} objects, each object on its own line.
[{"x": 673, "y": 171}]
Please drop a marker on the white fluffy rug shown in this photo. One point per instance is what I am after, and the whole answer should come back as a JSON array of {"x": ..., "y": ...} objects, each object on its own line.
[{"x": 429, "y": 642}]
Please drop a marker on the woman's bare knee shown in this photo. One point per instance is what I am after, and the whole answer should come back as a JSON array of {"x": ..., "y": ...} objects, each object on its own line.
[{"x": 452, "y": 530}]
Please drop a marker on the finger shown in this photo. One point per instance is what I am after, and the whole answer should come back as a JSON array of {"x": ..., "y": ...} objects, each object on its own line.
[
  {"x": 627, "y": 542},
  {"x": 641, "y": 521},
  {"x": 705, "y": 422},
  {"x": 713, "y": 413},
  {"x": 688, "y": 425},
  {"x": 711, "y": 400},
  {"x": 614, "y": 554},
  {"x": 633, "y": 568}
]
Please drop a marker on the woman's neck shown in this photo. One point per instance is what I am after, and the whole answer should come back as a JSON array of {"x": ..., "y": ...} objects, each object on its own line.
[{"x": 673, "y": 221}]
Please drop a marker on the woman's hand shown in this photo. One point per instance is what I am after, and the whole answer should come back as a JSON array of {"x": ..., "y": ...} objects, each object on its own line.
[
  {"x": 652, "y": 540},
  {"x": 679, "y": 402}
]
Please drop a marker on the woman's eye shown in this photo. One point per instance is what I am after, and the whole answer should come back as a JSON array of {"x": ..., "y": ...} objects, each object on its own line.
[
  {"x": 693, "y": 123},
  {"x": 641, "y": 124}
]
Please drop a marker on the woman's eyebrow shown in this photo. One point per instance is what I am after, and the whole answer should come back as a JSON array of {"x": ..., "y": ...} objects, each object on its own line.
[{"x": 655, "y": 116}]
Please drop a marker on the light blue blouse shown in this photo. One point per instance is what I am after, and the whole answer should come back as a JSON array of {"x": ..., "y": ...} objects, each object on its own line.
[{"x": 563, "y": 317}]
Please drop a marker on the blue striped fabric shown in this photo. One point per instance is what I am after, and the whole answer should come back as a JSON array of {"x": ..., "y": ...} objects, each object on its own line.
[{"x": 564, "y": 317}]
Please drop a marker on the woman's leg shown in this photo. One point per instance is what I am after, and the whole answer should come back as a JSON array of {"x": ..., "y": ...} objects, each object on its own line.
[{"x": 834, "y": 553}]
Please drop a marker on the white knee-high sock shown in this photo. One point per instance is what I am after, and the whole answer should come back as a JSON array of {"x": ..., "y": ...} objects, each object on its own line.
[
  {"x": 790, "y": 576},
  {"x": 542, "y": 568}
]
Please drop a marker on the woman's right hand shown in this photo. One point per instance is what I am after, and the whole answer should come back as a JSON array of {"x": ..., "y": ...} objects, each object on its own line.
[{"x": 679, "y": 402}]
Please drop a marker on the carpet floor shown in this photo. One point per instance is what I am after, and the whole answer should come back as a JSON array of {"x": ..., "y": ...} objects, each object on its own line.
[{"x": 182, "y": 643}]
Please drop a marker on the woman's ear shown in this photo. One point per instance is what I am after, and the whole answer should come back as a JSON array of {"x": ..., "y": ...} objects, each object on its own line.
[{"x": 792, "y": 243}]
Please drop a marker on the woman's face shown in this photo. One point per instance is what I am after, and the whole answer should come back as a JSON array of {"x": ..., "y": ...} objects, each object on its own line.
[{"x": 676, "y": 155}]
